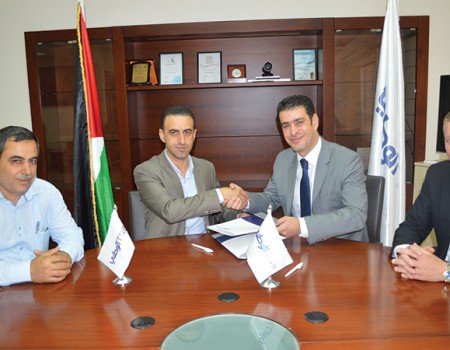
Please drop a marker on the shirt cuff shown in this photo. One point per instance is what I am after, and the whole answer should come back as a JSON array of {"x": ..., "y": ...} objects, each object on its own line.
[
  {"x": 303, "y": 228},
  {"x": 17, "y": 272},
  {"x": 219, "y": 194},
  {"x": 396, "y": 249}
]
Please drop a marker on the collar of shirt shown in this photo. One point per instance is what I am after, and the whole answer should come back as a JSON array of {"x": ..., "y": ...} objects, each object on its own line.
[
  {"x": 27, "y": 196},
  {"x": 312, "y": 158},
  {"x": 189, "y": 172}
]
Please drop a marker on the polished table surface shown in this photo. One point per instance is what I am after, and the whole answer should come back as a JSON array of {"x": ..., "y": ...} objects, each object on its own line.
[{"x": 368, "y": 305}]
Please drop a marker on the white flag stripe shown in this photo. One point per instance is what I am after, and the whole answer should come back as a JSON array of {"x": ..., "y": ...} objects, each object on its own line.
[
  {"x": 118, "y": 248},
  {"x": 387, "y": 153},
  {"x": 98, "y": 144},
  {"x": 267, "y": 253}
]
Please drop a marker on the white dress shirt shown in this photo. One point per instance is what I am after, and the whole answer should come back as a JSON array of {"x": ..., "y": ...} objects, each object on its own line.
[
  {"x": 312, "y": 158},
  {"x": 195, "y": 224}
]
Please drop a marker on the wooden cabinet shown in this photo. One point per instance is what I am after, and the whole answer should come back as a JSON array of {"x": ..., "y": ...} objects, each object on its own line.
[
  {"x": 236, "y": 122},
  {"x": 50, "y": 61},
  {"x": 357, "y": 51}
]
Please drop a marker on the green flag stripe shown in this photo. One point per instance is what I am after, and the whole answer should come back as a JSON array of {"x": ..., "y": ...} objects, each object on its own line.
[{"x": 104, "y": 196}]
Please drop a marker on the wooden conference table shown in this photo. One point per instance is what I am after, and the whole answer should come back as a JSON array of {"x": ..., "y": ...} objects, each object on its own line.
[{"x": 368, "y": 306}]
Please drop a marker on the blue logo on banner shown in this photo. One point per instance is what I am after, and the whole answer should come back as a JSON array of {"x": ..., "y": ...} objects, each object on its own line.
[
  {"x": 261, "y": 245},
  {"x": 389, "y": 154}
]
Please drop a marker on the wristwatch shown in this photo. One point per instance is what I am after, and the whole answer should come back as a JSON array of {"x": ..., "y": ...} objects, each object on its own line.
[{"x": 446, "y": 274}]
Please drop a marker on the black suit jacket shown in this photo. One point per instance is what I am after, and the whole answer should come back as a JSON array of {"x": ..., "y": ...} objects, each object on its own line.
[{"x": 430, "y": 210}]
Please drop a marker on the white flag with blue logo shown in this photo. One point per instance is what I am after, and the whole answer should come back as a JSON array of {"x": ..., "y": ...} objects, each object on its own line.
[
  {"x": 267, "y": 253},
  {"x": 118, "y": 248},
  {"x": 387, "y": 153}
]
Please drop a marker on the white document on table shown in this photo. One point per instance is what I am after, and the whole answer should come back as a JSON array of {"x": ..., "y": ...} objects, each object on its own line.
[
  {"x": 237, "y": 245},
  {"x": 239, "y": 226}
]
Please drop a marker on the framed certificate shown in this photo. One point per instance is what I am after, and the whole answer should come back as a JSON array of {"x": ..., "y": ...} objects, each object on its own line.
[
  {"x": 171, "y": 68},
  {"x": 304, "y": 64},
  {"x": 209, "y": 67}
]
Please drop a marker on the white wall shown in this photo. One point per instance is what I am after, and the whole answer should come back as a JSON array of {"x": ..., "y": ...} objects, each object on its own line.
[{"x": 19, "y": 16}]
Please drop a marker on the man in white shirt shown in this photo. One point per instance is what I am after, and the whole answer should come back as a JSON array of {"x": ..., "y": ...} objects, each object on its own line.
[{"x": 32, "y": 210}]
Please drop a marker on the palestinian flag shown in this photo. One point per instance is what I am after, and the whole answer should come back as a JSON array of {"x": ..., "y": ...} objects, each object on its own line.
[{"x": 93, "y": 196}]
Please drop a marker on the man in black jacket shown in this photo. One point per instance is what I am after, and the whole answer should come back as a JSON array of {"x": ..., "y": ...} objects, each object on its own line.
[{"x": 430, "y": 210}]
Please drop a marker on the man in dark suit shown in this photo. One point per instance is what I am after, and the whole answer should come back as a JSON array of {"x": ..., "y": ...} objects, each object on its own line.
[
  {"x": 430, "y": 210},
  {"x": 181, "y": 193},
  {"x": 338, "y": 197}
]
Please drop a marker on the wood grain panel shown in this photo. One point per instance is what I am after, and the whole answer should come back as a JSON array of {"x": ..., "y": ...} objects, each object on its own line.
[
  {"x": 248, "y": 110},
  {"x": 247, "y": 161}
]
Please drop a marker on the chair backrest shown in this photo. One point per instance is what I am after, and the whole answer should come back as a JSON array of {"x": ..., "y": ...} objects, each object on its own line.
[
  {"x": 136, "y": 215},
  {"x": 375, "y": 197}
]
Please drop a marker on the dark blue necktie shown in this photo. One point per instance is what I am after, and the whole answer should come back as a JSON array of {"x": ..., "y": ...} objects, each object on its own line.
[{"x": 305, "y": 191}]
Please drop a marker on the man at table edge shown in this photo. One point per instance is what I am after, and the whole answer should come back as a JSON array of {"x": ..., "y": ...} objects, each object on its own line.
[
  {"x": 430, "y": 210},
  {"x": 32, "y": 211}
]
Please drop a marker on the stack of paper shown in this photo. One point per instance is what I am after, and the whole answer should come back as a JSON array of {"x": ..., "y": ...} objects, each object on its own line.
[
  {"x": 238, "y": 227},
  {"x": 236, "y": 235},
  {"x": 237, "y": 245}
]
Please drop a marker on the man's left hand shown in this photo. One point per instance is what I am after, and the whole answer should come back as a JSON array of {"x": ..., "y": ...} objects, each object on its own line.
[
  {"x": 288, "y": 226},
  {"x": 415, "y": 262}
]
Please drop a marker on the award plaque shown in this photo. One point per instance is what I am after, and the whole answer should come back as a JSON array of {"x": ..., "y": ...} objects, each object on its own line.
[
  {"x": 236, "y": 73},
  {"x": 143, "y": 72}
]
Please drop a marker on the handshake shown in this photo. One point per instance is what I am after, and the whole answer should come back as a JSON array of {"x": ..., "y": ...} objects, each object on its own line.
[{"x": 234, "y": 197}]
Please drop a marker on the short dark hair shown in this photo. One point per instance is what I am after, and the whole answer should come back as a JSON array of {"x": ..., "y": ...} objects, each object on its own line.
[
  {"x": 447, "y": 117},
  {"x": 294, "y": 102},
  {"x": 17, "y": 134},
  {"x": 177, "y": 111}
]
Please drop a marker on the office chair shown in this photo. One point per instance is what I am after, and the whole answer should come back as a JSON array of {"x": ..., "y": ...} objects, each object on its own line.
[
  {"x": 137, "y": 219},
  {"x": 375, "y": 197}
]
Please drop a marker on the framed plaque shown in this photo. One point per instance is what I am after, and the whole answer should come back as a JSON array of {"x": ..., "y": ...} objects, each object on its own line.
[
  {"x": 305, "y": 64},
  {"x": 171, "y": 68},
  {"x": 236, "y": 73},
  {"x": 143, "y": 72},
  {"x": 209, "y": 67}
]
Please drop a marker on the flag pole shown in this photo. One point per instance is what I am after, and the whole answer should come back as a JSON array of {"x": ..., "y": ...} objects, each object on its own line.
[
  {"x": 122, "y": 281},
  {"x": 100, "y": 223},
  {"x": 387, "y": 150},
  {"x": 269, "y": 282}
]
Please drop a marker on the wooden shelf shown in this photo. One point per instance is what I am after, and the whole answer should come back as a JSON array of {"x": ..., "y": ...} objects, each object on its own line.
[
  {"x": 237, "y": 127},
  {"x": 223, "y": 85}
]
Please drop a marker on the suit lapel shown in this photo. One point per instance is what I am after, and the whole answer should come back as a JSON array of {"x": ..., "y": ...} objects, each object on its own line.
[
  {"x": 443, "y": 206},
  {"x": 173, "y": 177},
  {"x": 200, "y": 181},
  {"x": 322, "y": 169}
]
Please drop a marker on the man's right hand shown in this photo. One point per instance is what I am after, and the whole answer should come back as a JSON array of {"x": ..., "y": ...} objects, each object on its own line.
[
  {"x": 234, "y": 197},
  {"x": 50, "y": 266}
]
